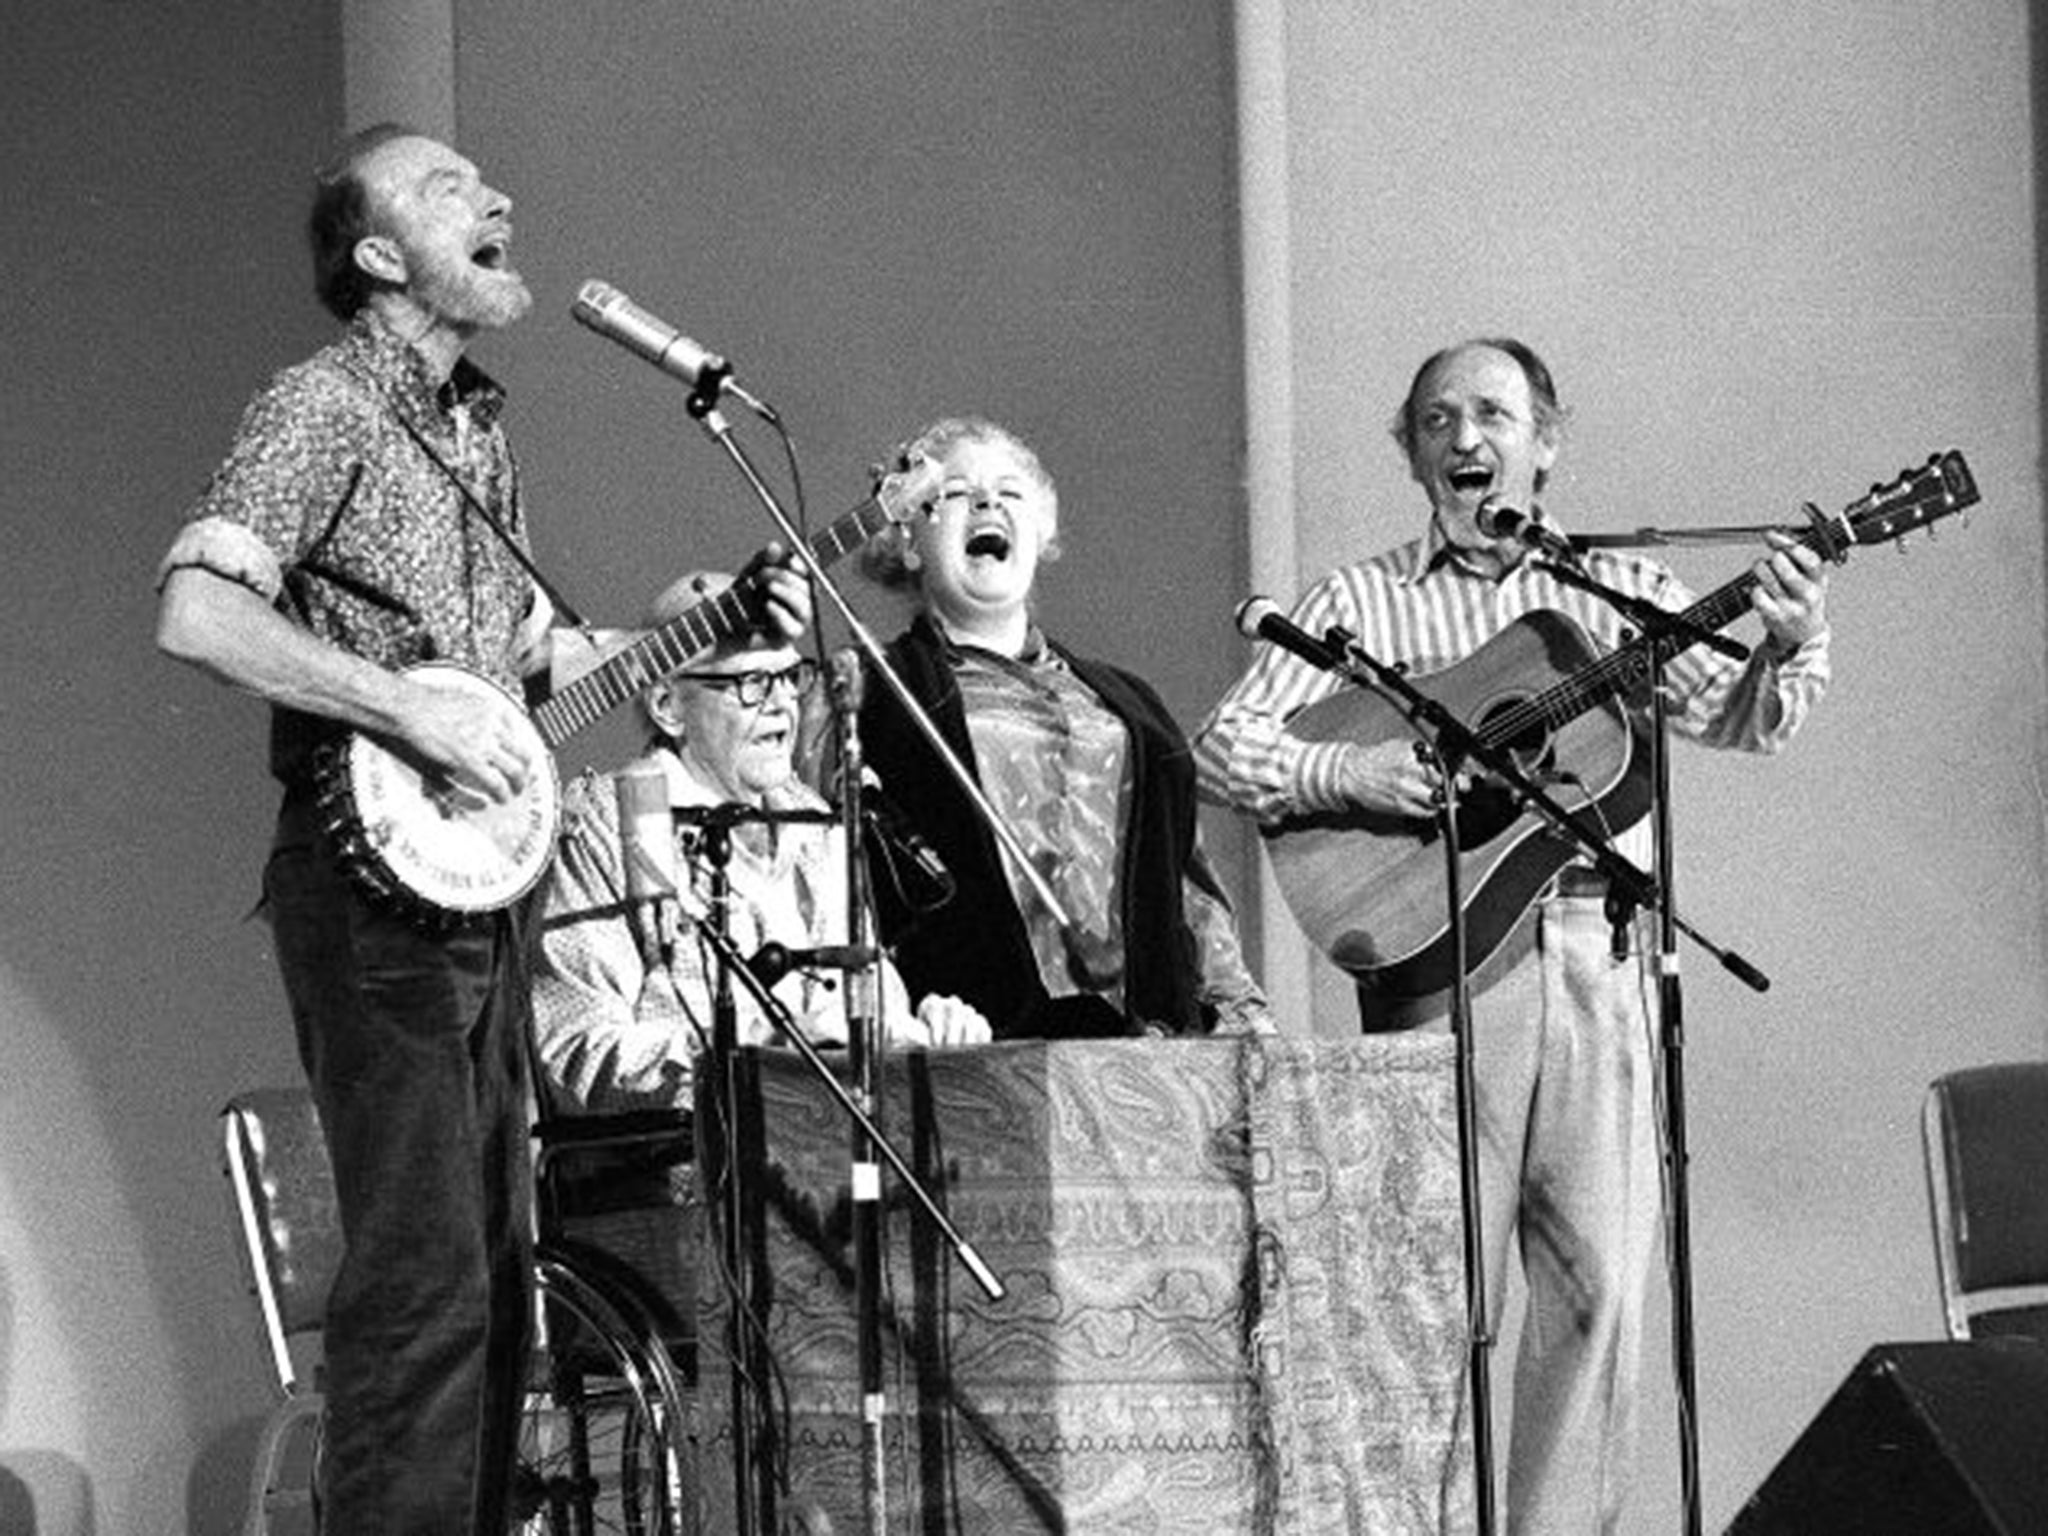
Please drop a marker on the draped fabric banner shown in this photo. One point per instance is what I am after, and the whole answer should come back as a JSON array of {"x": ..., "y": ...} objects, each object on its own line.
[
  {"x": 1361, "y": 1334},
  {"x": 1234, "y": 1298}
]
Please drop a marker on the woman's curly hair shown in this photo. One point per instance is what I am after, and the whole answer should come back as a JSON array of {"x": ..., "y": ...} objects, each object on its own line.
[{"x": 882, "y": 559}]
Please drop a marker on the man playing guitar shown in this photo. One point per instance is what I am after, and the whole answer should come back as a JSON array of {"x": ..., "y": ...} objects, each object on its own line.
[{"x": 1562, "y": 1042}]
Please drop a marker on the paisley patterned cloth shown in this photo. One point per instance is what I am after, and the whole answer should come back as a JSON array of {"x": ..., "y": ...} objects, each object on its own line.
[{"x": 1233, "y": 1290}]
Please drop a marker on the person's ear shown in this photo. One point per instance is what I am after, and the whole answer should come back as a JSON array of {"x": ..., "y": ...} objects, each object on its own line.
[
  {"x": 664, "y": 709},
  {"x": 380, "y": 256},
  {"x": 1049, "y": 533}
]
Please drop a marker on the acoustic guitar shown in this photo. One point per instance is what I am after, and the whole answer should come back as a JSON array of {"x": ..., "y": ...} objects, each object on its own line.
[
  {"x": 411, "y": 841},
  {"x": 1371, "y": 890}
]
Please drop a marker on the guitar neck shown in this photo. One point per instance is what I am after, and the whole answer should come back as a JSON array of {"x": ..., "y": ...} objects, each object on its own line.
[
  {"x": 723, "y": 616},
  {"x": 1621, "y": 669},
  {"x": 1916, "y": 499}
]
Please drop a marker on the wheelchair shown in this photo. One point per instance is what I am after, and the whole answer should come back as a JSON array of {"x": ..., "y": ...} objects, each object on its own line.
[{"x": 607, "y": 1437}]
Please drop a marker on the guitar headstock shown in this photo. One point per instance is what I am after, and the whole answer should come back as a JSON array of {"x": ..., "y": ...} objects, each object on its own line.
[
  {"x": 904, "y": 491},
  {"x": 1918, "y": 498}
]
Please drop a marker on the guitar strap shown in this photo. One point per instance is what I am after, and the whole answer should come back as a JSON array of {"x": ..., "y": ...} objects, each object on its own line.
[
  {"x": 310, "y": 565},
  {"x": 562, "y": 605}
]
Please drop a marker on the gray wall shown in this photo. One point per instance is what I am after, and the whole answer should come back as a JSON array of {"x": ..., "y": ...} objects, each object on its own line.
[{"x": 156, "y": 161}]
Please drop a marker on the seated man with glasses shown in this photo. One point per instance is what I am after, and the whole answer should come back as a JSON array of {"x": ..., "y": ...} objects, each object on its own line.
[{"x": 624, "y": 986}]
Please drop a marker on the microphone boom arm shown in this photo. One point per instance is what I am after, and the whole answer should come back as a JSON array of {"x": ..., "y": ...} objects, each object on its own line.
[
  {"x": 1669, "y": 632},
  {"x": 735, "y": 965}
]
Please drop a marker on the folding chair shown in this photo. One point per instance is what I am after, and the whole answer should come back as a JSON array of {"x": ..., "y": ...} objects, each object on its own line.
[
  {"x": 1985, "y": 1134},
  {"x": 283, "y": 1187}
]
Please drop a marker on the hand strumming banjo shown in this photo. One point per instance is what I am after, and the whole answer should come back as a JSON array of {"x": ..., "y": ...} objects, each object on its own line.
[{"x": 412, "y": 841}]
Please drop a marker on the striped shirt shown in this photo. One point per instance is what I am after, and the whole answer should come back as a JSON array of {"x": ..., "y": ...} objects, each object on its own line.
[{"x": 1424, "y": 607}]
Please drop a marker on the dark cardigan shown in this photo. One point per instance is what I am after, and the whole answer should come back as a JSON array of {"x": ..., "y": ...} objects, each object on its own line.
[{"x": 975, "y": 946}]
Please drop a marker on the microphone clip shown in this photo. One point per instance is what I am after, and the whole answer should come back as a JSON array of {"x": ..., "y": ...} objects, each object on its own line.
[
  {"x": 772, "y": 961},
  {"x": 1527, "y": 528},
  {"x": 917, "y": 874}
]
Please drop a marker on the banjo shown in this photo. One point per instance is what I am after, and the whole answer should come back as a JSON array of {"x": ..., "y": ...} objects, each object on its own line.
[{"x": 413, "y": 841}]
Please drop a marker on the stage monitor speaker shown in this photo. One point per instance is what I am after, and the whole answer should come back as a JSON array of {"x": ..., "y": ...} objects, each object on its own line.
[{"x": 1937, "y": 1439}]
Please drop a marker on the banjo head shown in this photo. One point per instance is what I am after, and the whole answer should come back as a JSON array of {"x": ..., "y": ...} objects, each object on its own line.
[{"x": 410, "y": 839}]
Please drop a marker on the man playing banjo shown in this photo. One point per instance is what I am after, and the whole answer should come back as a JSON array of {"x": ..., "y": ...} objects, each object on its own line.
[{"x": 367, "y": 520}]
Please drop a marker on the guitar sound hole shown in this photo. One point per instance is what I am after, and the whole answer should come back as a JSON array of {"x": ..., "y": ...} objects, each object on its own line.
[
  {"x": 1490, "y": 805},
  {"x": 1533, "y": 752}
]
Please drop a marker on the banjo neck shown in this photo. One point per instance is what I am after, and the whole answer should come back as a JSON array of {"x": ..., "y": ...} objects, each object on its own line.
[{"x": 723, "y": 616}]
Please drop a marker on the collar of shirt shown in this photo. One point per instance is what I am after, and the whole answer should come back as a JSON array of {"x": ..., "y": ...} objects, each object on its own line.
[
  {"x": 1036, "y": 655},
  {"x": 399, "y": 368},
  {"x": 1434, "y": 550}
]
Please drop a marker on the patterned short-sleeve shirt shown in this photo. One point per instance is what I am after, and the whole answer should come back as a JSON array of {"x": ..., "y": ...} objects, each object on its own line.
[{"x": 343, "y": 500}]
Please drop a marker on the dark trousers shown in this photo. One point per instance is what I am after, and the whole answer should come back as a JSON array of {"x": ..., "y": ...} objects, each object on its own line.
[{"x": 414, "y": 1045}]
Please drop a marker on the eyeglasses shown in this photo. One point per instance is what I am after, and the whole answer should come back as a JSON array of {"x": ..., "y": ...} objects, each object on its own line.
[{"x": 751, "y": 689}]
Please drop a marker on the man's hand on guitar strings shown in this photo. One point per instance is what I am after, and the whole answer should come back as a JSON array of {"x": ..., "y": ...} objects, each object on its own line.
[{"x": 1398, "y": 777}]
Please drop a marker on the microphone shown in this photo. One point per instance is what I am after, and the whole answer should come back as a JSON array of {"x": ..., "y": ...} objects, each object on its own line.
[
  {"x": 846, "y": 680},
  {"x": 609, "y": 312},
  {"x": 647, "y": 844},
  {"x": 772, "y": 961},
  {"x": 1527, "y": 529},
  {"x": 1260, "y": 618}
]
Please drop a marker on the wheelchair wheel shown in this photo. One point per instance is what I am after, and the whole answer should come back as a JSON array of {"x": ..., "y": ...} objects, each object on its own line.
[{"x": 603, "y": 1438}]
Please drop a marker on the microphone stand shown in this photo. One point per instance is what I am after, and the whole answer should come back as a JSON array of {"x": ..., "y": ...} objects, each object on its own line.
[
  {"x": 745, "y": 1346},
  {"x": 703, "y": 404},
  {"x": 1664, "y": 636},
  {"x": 1455, "y": 744},
  {"x": 864, "y": 1042},
  {"x": 867, "y": 1138},
  {"x": 754, "y": 1508},
  {"x": 1478, "y": 1313},
  {"x": 1671, "y": 1027}
]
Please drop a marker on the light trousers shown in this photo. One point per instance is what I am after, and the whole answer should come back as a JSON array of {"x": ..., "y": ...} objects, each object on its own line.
[{"x": 1564, "y": 1065}]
